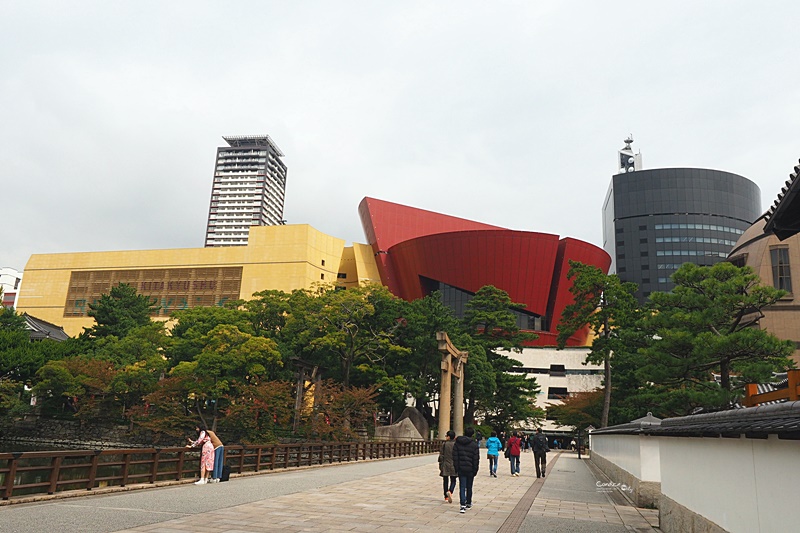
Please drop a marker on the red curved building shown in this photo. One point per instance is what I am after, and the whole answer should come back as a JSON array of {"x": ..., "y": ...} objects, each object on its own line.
[{"x": 418, "y": 252}]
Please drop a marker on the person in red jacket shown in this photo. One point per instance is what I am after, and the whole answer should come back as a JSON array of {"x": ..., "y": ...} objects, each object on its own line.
[{"x": 513, "y": 444}]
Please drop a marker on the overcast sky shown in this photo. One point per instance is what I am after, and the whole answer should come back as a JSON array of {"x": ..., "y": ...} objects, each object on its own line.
[{"x": 509, "y": 113}]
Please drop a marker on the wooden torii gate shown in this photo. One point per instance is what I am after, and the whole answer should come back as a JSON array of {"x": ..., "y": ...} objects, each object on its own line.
[{"x": 453, "y": 361}]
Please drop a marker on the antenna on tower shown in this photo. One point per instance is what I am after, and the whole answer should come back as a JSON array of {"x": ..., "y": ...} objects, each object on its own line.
[{"x": 628, "y": 161}]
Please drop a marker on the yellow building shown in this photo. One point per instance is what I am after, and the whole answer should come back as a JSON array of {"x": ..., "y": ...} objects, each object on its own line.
[{"x": 59, "y": 287}]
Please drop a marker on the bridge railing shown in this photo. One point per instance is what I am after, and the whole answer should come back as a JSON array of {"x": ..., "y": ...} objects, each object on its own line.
[{"x": 28, "y": 473}]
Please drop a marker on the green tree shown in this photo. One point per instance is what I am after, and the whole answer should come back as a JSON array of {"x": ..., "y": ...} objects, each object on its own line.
[
  {"x": 609, "y": 308},
  {"x": 19, "y": 357},
  {"x": 709, "y": 324},
  {"x": 10, "y": 320},
  {"x": 14, "y": 399},
  {"x": 491, "y": 386},
  {"x": 347, "y": 327},
  {"x": 141, "y": 343},
  {"x": 391, "y": 390},
  {"x": 268, "y": 311},
  {"x": 78, "y": 386},
  {"x": 230, "y": 359},
  {"x": 421, "y": 366},
  {"x": 193, "y": 325},
  {"x": 119, "y": 311}
]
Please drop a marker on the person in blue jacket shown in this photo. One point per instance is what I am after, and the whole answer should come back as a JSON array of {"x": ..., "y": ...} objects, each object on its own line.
[{"x": 493, "y": 447}]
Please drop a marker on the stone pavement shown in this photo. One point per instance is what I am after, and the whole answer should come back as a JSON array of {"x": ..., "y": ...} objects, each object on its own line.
[{"x": 390, "y": 495}]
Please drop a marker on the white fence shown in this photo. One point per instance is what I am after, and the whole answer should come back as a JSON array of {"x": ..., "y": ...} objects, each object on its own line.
[{"x": 708, "y": 484}]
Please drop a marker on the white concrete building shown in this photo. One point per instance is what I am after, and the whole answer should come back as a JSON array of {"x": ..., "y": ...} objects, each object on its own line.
[
  {"x": 10, "y": 280},
  {"x": 559, "y": 373},
  {"x": 249, "y": 188}
]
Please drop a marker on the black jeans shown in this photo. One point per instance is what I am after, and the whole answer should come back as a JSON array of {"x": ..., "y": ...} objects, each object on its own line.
[
  {"x": 540, "y": 457},
  {"x": 448, "y": 484}
]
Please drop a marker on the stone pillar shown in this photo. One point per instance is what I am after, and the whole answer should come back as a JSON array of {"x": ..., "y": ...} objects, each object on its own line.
[
  {"x": 458, "y": 404},
  {"x": 453, "y": 361},
  {"x": 444, "y": 396}
]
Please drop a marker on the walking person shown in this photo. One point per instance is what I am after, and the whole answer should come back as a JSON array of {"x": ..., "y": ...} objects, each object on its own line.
[
  {"x": 219, "y": 456},
  {"x": 467, "y": 460},
  {"x": 493, "y": 447},
  {"x": 447, "y": 469},
  {"x": 514, "y": 447},
  {"x": 540, "y": 449},
  {"x": 206, "y": 455}
]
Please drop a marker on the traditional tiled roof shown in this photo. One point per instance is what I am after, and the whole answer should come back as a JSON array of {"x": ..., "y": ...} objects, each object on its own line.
[
  {"x": 40, "y": 329},
  {"x": 640, "y": 425},
  {"x": 783, "y": 217},
  {"x": 782, "y": 419}
]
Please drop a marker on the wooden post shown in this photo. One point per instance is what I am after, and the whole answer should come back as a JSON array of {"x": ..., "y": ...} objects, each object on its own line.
[
  {"x": 55, "y": 471},
  {"x": 126, "y": 466},
  {"x": 93, "y": 470},
  {"x": 181, "y": 459},
  {"x": 11, "y": 474},
  {"x": 154, "y": 466}
]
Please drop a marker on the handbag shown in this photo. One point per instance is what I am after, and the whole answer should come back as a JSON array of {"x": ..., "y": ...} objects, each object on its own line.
[{"x": 508, "y": 453}]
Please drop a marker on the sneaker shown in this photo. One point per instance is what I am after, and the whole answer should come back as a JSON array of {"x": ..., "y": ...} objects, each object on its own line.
[
  {"x": 463, "y": 510},
  {"x": 449, "y": 497},
  {"x": 200, "y": 482},
  {"x": 469, "y": 506}
]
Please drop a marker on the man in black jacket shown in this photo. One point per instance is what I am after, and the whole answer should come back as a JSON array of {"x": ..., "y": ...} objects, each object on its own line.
[
  {"x": 467, "y": 460},
  {"x": 540, "y": 449}
]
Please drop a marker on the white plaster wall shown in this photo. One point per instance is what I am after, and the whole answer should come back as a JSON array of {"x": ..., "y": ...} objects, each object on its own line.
[
  {"x": 650, "y": 455},
  {"x": 622, "y": 450},
  {"x": 742, "y": 485}
]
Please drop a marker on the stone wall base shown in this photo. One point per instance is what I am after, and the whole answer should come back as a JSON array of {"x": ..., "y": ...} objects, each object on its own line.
[
  {"x": 45, "y": 432},
  {"x": 675, "y": 518},
  {"x": 645, "y": 493}
]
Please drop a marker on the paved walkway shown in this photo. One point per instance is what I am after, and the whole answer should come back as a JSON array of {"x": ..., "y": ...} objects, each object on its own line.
[{"x": 389, "y": 496}]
